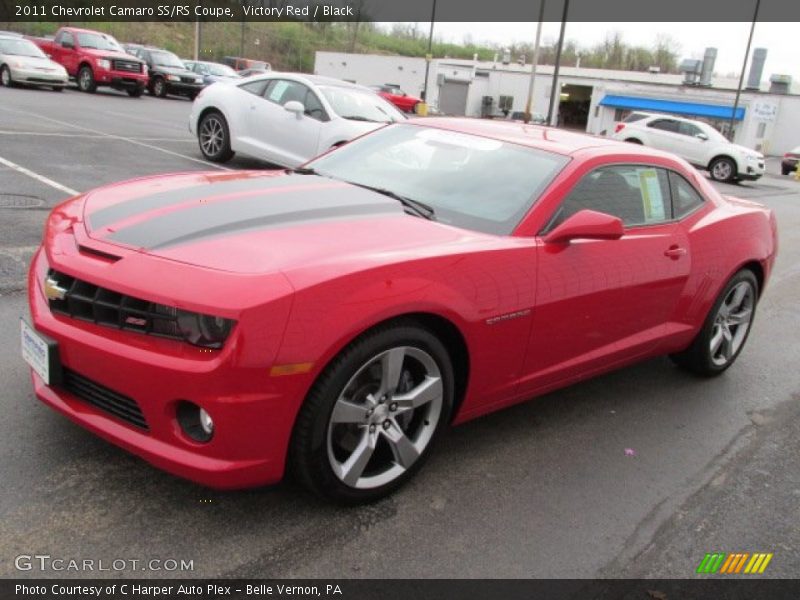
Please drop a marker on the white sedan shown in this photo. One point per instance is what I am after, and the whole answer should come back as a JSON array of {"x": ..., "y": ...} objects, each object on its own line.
[
  {"x": 284, "y": 118},
  {"x": 696, "y": 142},
  {"x": 21, "y": 61}
]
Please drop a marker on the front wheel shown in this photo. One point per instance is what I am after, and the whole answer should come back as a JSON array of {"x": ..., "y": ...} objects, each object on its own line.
[
  {"x": 722, "y": 169},
  {"x": 372, "y": 417},
  {"x": 136, "y": 92},
  {"x": 160, "y": 88},
  {"x": 725, "y": 330},
  {"x": 86, "y": 82},
  {"x": 57, "y": 88},
  {"x": 214, "y": 137},
  {"x": 5, "y": 77}
]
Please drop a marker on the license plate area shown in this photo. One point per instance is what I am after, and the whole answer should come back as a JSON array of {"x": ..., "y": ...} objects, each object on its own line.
[{"x": 41, "y": 353}]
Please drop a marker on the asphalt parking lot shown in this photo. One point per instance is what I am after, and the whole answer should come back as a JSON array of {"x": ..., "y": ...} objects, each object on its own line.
[{"x": 636, "y": 473}]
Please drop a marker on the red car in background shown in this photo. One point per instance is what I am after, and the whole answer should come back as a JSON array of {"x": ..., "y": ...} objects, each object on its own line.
[
  {"x": 398, "y": 97},
  {"x": 95, "y": 59},
  {"x": 335, "y": 319}
]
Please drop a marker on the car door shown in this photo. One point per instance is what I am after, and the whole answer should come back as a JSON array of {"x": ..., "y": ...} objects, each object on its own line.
[
  {"x": 690, "y": 147},
  {"x": 276, "y": 134},
  {"x": 67, "y": 54},
  {"x": 663, "y": 134},
  {"x": 602, "y": 302}
]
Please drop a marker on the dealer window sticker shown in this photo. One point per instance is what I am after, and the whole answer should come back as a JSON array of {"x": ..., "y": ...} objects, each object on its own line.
[{"x": 652, "y": 198}]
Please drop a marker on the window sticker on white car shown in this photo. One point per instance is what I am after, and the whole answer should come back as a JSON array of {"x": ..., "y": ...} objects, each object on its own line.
[
  {"x": 276, "y": 93},
  {"x": 652, "y": 199}
]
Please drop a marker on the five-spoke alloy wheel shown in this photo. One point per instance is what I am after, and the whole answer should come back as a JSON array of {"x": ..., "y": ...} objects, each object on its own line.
[
  {"x": 374, "y": 414},
  {"x": 214, "y": 137}
]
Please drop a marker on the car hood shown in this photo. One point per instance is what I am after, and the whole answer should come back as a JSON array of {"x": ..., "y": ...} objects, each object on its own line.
[
  {"x": 110, "y": 54},
  {"x": 177, "y": 71},
  {"x": 257, "y": 222},
  {"x": 34, "y": 62}
]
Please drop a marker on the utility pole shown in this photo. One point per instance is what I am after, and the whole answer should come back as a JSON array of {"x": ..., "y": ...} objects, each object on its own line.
[
  {"x": 741, "y": 75},
  {"x": 556, "y": 89},
  {"x": 196, "y": 39},
  {"x": 429, "y": 56},
  {"x": 530, "y": 101}
]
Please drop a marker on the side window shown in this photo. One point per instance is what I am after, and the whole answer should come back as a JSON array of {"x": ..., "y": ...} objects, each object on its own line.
[
  {"x": 67, "y": 39},
  {"x": 664, "y": 125},
  {"x": 688, "y": 129},
  {"x": 282, "y": 91},
  {"x": 685, "y": 199},
  {"x": 637, "y": 194},
  {"x": 255, "y": 87}
]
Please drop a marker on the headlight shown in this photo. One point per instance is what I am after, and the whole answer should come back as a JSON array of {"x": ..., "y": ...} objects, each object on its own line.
[
  {"x": 204, "y": 330},
  {"x": 173, "y": 78},
  {"x": 144, "y": 69},
  {"x": 103, "y": 63},
  {"x": 198, "y": 81}
]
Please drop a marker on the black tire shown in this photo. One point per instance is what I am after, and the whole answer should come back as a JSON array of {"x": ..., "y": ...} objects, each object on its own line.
[
  {"x": 310, "y": 448},
  {"x": 159, "y": 87},
  {"x": 723, "y": 169},
  {"x": 192, "y": 96},
  {"x": 214, "y": 122},
  {"x": 634, "y": 141},
  {"x": 135, "y": 92},
  {"x": 785, "y": 170},
  {"x": 698, "y": 357},
  {"x": 86, "y": 82},
  {"x": 57, "y": 88},
  {"x": 5, "y": 77}
]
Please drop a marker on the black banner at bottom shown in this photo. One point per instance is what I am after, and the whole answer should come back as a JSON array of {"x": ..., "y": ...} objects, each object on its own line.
[{"x": 733, "y": 588}]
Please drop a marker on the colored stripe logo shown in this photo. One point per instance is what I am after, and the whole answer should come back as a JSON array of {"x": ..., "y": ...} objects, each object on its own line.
[{"x": 734, "y": 563}]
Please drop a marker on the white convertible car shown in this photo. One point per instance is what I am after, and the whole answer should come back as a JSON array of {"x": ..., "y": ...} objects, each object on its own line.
[{"x": 284, "y": 118}]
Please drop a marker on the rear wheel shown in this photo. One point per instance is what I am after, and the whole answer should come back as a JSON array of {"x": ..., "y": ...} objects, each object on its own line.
[
  {"x": 86, "y": 82},
  {"x": 722, "y": 169},
  {"x": 372, "y": 417},
  {"x": 214, "y": 137},
  {"x": 5, "y": 77},
  {"x": 725, "y": 330}
]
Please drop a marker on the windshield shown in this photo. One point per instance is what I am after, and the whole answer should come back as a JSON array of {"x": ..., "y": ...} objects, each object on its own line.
[
  {"x": 98, "y": 42},
  {"x": 469, "y": 181},
  {"x": 20, "y": 48},
  {"x": 166, "y": 59},
  {"x": 220, "y": 70},
  {"x": 360, "y": 105}
]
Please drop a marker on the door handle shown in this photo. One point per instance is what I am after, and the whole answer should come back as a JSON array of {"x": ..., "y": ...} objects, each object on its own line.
[{"x": 675, "y": 252}]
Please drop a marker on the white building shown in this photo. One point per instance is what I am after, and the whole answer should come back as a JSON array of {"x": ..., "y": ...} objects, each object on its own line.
[{"x": 592, "y": 100}]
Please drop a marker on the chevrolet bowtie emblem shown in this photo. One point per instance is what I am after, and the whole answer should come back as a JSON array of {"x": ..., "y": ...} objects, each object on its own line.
[{"x": 52, "y": 290}]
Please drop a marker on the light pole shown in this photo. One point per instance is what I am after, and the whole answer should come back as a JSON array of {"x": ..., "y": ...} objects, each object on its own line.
[
  {"x": 529, "y": 103},
  {"x": 429, "y": 56},
  {"x": 556, "y": 90},
  {"x": 741, "y": 75}
]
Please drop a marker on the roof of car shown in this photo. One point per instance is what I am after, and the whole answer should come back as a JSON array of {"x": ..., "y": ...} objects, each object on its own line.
[{"x": 551, "y": 139}]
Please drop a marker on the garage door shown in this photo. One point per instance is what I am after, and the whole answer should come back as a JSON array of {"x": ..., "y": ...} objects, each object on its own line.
[{"x": 453, "y": 98}]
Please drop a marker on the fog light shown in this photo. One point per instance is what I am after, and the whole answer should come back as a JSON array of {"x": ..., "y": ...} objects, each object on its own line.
[{"x": 195, "y": 422}]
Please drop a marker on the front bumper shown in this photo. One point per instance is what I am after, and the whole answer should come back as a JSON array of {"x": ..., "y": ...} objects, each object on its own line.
[
  {"x": 253, "y": 412},
  {"x": 753, "y": 169},
  {"x": 39, "y": 77},
  {"x": 179, "y": 88},
  {"x": 121, "y": 80}
]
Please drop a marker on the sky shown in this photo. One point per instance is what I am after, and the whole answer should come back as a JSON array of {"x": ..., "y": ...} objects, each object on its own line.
[{"x": 692, "y": 39}]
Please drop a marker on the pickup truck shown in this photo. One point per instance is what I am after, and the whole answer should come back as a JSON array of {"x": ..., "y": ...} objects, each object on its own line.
[{"x": 95, "y": 59}]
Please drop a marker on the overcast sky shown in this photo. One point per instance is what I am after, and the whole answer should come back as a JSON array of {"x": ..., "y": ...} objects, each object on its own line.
[{"x": 692, "y": 38}]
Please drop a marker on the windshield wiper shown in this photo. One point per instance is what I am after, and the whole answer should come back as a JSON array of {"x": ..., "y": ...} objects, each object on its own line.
[
  {"x": 302, "y": 171},
  {"x": 419, "y": 208},
  {"x": 360, "y": 118}
]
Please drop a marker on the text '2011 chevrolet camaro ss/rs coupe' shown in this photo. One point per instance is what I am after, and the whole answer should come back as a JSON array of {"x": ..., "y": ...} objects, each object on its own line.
[{"x": 335, "y": 319}]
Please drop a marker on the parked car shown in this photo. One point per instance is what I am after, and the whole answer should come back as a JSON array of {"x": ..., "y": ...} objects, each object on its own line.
[
  {"x": 5, "y": 33},
  {"x": 285, "y": 118},
  {"x": 211, "y": 72},
  {"x": 790, "y": 160},
  {"x": 22, "y": 62},
  {"x": 695, "y": 141},
  {"x": 336, "y": 319},
  {"x": 240, "y": 64},
  {"x": 398, "y": 97},
  {"x": 95, "y": 59},
  {"x": 251, "y": 72},
  {"x": 536, "y": 118},
  {"x": 168, "y": 74}
]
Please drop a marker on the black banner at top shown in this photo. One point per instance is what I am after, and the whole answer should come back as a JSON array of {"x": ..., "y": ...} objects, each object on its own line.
[{"x": 396, "y": 10}]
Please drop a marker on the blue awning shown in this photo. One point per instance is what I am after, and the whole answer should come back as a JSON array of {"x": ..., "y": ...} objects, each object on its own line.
[{"x": 692, "y": 109}]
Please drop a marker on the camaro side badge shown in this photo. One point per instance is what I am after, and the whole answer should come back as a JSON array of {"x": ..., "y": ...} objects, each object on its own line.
[
  {"x": 506, "y": 317},
  {"x": 52, "y": 290}
]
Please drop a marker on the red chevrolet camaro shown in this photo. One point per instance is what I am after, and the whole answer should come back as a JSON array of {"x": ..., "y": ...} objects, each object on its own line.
[{"x": 333, "y": 320}]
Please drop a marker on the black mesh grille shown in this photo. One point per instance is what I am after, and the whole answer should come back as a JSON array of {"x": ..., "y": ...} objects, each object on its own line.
[
  {"x": 101, "y": 397},
  {"x": 130, "y": 66},
  {"x": 89, "y": 302}
]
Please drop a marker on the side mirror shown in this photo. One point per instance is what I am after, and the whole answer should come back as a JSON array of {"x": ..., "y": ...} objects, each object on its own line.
[
  {"x": 586, "y": 225},
  {"x": 701, "y": 136},
  {"x": 296, "y": 107}
]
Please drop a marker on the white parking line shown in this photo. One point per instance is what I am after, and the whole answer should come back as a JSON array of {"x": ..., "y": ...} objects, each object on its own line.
[
  {"x": 120, "y": 137},
  {"x": 93, "y": 136},
  {"x": 36, "y": 176}
]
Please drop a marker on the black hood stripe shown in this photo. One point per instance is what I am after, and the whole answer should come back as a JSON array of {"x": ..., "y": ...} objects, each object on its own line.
[
  {"x": 135, "y": 206},
  {"x": 253, "y": 212}
]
